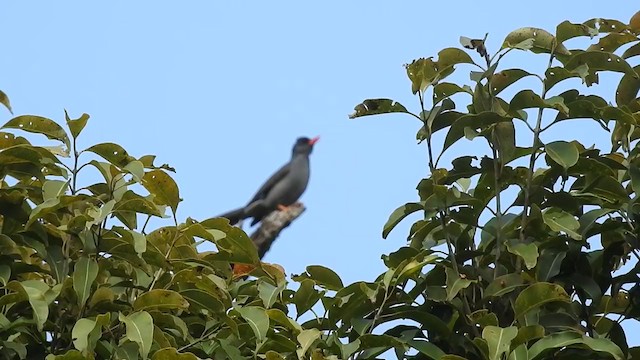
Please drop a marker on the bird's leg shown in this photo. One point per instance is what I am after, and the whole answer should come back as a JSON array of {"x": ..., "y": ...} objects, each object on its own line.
[{"x": 286, "y": 208}]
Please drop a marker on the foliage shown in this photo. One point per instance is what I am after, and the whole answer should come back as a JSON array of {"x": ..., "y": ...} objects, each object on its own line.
[{"x": 480, "y": 277}]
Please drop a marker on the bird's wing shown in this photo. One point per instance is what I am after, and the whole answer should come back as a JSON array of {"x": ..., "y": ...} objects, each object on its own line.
[{"x": 273, "y": 180}]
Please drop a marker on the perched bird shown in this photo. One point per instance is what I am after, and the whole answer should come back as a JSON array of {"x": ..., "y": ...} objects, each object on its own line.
[{"x": 282, "y": 189}]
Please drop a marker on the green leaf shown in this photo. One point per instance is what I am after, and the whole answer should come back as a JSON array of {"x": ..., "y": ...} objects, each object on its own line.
[
  {"x": 503, "y": 285},
  {"x": 236, "y": 246},
  {"x": 113, "y": 153},
  {"x": 269, "y": 293},
  {"x": 498, "y": 340},
  {"x": 422, "y": 73},
  {"x": 325, "y": 277},
  {"x": 377, "y": 106},
  {"x": 306, "y": 338},
  {"x": 139, "y": 329},
  {"x": 160, "y": 299},
  {"x": 398, "y": 215},
  {"x": 35, "y": 291},
  {"x": 202, "y": 299},
  {"x": 528, "y": 333},
  {"x": 426, "y": 348},
  {"x": 4, "y": 100},
  {"x": 600, "y": 61},
  {"x": 566, "y": 30},
  {"x": 612, "y": 42},
  {"x": 564, "y": 153},
  {"x": 505, "y": 139},
  {"x": 534, "y": 39},
  {"x": 455, "y": 283},
  {"x": 568, "y": 338},
  {"x": 503, "y": 79},
  {"x": 39, "y": 125},
  {"x": 452, "y": 56},
  {"x": 163, "y": 187},
  {"x": 445, "y": 90},
  {"x": 628, "y": 88},
  {"x": 306, "y": 296},
  {"x": 81, "y": 332},
  {"x": 528, "y": 252},
  {"x": 549, "y": 263},
  {"x": 589, "y": 218},
  {"x": 172, "y": 354},
  {"x": 519, "y": 353},
  {"x": 562, "y": 221},
  {"x": 257, "y": 319},
  {"x": 84, "y": 274},
  {"x": 281, "y": 318},
  {"x": 52, "y": 189},
  {"x": 76, "y": 125},
  {"x": 536, "y": 295}
]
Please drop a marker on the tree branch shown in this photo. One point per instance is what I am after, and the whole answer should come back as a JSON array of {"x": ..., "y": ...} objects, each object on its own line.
[{"x": 273, "y": 224}]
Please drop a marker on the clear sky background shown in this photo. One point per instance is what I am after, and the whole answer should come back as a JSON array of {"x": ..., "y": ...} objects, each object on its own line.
[{"x": 221, "y": 90}]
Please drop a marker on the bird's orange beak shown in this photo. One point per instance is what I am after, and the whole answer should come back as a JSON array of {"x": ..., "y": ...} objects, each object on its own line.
[{"x": 314, "y": 140}]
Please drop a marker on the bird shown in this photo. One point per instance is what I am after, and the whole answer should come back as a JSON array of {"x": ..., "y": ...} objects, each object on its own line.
[{"x": 282, "y": 189}]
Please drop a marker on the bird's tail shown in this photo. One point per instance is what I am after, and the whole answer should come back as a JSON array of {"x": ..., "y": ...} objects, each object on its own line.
[
  {"x": 256, "y": 210},
  {"x": 234, "y": 216}
]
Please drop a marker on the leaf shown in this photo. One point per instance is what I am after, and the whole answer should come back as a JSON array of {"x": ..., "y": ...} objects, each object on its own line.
[
  {"x": 557, "y": 74},
  {"x": 76, "y": 125},
  {"x": 35, "y": 292},
  {"x": 426, "y": 348},
  {"x": 268, "y": 293},
  {"x": 519, "y": 353},
  {"x": 172, "y": 354},
  {"x": 113, "y": 153},
  {"x": 505, "y": 139},
  {"x": 566, "y": 30},
  {"x": 536, "y": 40},
  {"x": 398, "y": 215},
  {"x": 536, "y": 295},
  {"x": 503, "y": 79},
  {"x": 599, "y": 61},
  {"x": 325, "y": 277},
  {"x": 628, "y": 88},
  {"x": 377, "y": 106},
  {"x": 445, "y": 90},
  {"x": 549, "y": 263},
  {"x": 4, "y": 100},
  {"x": 422, "y": 73},
  {"x": 257, "y": 319},
  {"x": 84, "y": 274},
  {"x": 455, "y": 283},
  {"x": 306, "y": 296},
  {"x": 139, "y": 329},
  {"x": 39, "y": 125},
  {"x": 562, "y": 221},
  {"x": 281, "y": 318},
  {"x": 564, "y": 153},
  {"x": 306, "y": 338},
  {"x": 498, "y": 340},
  {"x": 160, "y": 299},
  {"x": 568, "y": 338},
  {"x": 80, "y": 334},
  {"x": 52, "y": 189},
  {"x": 503, "y": 285},
  {"x": 528, "y": 252},
  {"x": 165, "y": 189},
  {"x": 612, "y": 42}
]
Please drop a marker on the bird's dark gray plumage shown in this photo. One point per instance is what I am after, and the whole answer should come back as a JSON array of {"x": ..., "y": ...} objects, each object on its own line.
[{"x": 283, "y": 188}]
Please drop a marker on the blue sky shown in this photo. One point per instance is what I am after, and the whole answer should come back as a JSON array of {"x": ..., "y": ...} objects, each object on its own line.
[{"x": 220, "y": 91}]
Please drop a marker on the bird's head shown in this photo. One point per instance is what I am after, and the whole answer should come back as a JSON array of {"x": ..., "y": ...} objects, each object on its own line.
[{"x": 304, "y": 145}]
